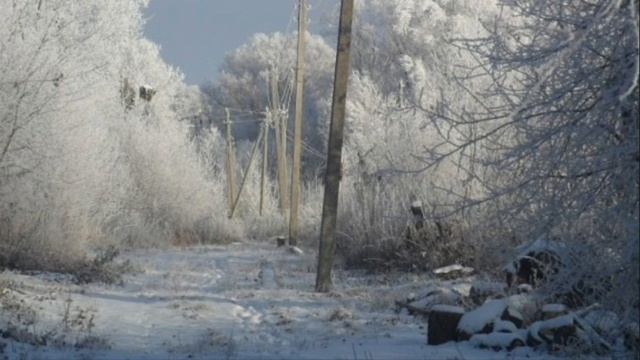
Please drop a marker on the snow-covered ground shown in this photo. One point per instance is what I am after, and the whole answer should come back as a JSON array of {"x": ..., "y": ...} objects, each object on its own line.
[{"x": 240, "y": 301}]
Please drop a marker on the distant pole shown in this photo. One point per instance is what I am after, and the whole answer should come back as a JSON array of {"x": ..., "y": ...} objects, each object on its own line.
[
  {"x": 334, "y": 155},
  {"x": 273, "y": 112},
  {"x": 246, "y": 174},
  {"x": 281, "y": 143},
  {"x": 297, "y": 135},
  {"x": 231, "y": 161},
  {"x": 265, "y": 161}
]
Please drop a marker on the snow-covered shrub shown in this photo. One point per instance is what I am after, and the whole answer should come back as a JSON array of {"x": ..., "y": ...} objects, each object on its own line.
[
  {"x": 561, "y": 121},
  {"x": 85, "y": 162}
]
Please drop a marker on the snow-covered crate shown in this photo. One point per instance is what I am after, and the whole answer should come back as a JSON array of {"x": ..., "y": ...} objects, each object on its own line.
[{"x": 443, "y": 323}]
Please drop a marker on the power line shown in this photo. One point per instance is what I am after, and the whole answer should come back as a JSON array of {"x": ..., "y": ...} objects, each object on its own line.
[{"x": 306, "y": 146}]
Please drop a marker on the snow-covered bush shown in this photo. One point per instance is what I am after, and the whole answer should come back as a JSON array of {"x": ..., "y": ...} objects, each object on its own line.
[
  {"x": 560, "y": 133},
  {"x": 86, "y": 161}
]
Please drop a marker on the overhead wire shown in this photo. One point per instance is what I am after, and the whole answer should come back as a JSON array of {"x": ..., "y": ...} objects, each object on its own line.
[
  {"x": 285, "y": 100},
  {"x": 243, "y": 115},
  {"x": 310, "y": 149}
]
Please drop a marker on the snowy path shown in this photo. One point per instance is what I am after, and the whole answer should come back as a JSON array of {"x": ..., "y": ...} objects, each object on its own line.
[{"x": 234, "y": 302}]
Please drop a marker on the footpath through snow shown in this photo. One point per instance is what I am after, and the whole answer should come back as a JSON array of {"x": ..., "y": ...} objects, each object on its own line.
[{"x": 240, "y": 301}]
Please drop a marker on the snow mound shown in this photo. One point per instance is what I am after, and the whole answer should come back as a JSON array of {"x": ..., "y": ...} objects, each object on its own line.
[
  {"x": 453, "y": 271},
  {"x": 497, "y": 340},
  {"x": 538, "y": 327},
  {"x": 504, "y": 326},
  {"x": 452, "y": 268},
  {"x": 476, "y": 321},
  {"x": 441, "y": 296}
]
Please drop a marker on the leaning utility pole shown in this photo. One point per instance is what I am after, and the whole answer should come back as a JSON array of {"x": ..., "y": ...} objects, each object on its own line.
[
  {"x": 334, "y": 154},
  {"x": 234, "y": 207},
  {"x": 231, "y": 162},
  {"x": 297, "y": 135}
]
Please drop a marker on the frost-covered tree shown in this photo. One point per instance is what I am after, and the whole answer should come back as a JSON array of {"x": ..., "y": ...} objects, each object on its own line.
[
  {"x": 403, "y": 50},
  {"x": 86, "y": 160},
  {"x": 560, "y": 128},
  {"x": 405, "y": 79},
  {"x": 243, "y": 83},
  {"x": 53, "y": 62}
]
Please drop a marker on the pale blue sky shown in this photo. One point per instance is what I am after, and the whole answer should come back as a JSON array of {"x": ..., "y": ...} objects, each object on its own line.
[{"x": 195, "y": 34}]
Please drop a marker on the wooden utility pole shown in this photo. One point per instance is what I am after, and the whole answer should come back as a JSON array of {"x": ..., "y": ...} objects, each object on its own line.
[
  {"x": 246, "y": 174},
  {"x": 281, "y": 143},
  {"x": 265, "y": 160},
  {"x": 334, "y": 155},
  {"x": 297, "y": 135},
  {"x": 231, "y": 161}
]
